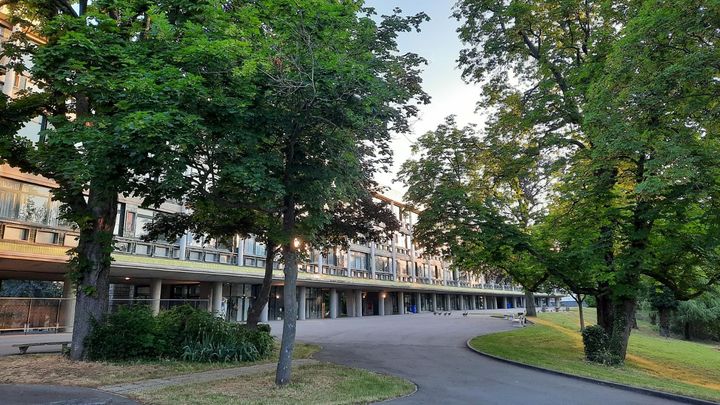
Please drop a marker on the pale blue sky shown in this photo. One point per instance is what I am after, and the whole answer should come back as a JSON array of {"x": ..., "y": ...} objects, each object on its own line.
[{"x": 439, "y": 44}]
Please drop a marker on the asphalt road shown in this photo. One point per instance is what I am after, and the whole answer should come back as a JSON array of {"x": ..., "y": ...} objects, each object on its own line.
[{"x": 431, "y": 352}]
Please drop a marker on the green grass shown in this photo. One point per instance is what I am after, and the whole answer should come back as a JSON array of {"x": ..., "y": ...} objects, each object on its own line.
[
  {"x": 671, "y": 365},
  {"x": 311, "y": 384}
]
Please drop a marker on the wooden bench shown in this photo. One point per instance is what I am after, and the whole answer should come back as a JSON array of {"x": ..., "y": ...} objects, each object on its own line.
[{"x": 25, "y": 346}]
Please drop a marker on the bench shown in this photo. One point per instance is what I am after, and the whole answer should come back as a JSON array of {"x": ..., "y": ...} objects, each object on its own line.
[
  {"x": 520, "y": 320},
  {"x": 25, "y": 346}
]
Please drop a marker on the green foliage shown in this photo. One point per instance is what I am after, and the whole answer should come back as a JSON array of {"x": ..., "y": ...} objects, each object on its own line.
[
  {"x": 596, "y": 342},
  {"x": 699, "y": 318},
  {"x": 130, "y": 89},
  {"x": 180, "y": 333},
  {"x": 129, "y": 333},
  {"x": 610, "y": 116}
]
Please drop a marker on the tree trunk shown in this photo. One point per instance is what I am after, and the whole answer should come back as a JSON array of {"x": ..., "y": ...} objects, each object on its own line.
[
  {"x": 290, "y": 257},
  {"x": 664, "y": 315},
  {"x": 617, "y": 319},
  {"x": 530, "y": 304},
  {"x": 686, "y": 330},
  {"x": 284, "y": 367},
  {"x": 605, "y": 313},
  {"x": 622, "y": 326},
  {"x": 91, "y": 268},
  {"x": 582, "y": 314},
  {"x": 262, "y": 299}
]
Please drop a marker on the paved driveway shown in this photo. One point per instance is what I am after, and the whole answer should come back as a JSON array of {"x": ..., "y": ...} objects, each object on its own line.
[{"x": 430, "y": 351}]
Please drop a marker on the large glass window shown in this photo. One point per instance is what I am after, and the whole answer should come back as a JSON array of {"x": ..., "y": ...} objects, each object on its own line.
[
  {"x": 26, "y": 202},
  {"x": 382, "y": 264},
  {"x": 403, "y": 267},
  {"x": 359, "y": 260}
]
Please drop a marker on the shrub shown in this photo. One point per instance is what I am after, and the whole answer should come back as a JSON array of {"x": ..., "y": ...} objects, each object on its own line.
[
  {"x": 596, "y": 343},
  {"x": 180, "y": 333},
  {"x": 129, "y": 333}
]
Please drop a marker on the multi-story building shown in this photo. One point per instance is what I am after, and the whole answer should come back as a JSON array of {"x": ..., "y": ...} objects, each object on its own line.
[{"x": 394, "y": 277}]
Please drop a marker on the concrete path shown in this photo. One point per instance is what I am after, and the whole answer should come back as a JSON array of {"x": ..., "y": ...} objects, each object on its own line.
[
  {"x": 206, "y": 376},
  {"x": 7, "y": 340},
  {"x": 430, "y": 351},
  {"x": 26, "y": 394}
]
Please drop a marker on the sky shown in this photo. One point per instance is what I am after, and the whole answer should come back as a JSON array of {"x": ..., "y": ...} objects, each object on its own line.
[{"x": 439, "y": 44}]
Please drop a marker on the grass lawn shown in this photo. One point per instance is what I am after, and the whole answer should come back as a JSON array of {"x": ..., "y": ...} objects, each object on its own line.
[
  {"x": 670, "y": 365},
  {"x": 311, "y": 384},
  {"x": 57, "y": 369}
]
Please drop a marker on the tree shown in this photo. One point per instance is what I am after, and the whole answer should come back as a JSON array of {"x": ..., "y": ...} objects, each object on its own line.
[
  {"x": 622, "y": 96},
  {"x": 332, "y": 89},
  {"x": 480, "y": 199},
  {"x": 663, "y": 301},
  {"x": 119, "y": 83}
]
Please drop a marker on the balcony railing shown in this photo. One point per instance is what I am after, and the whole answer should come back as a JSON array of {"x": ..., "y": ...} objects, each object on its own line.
[{"x": 39, "y": 235}]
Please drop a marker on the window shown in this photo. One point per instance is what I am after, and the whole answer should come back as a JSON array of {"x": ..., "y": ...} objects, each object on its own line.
[
  {"x": 382, "y": 264},
  {"x": 359, "y": 260},
  {"x": 129, "y": 228},
  {"x": 20, "y": 82},
  {"x": 27, "y": 202},
  {"x": 144, "y": 217},
  {"x": 403, "y": 267},
  {"x": 5, "y": 33}
]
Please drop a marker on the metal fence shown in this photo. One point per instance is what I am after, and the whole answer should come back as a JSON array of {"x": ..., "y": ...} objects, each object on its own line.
[
  {"x": 33, "y": 314},
  {"x": 37, "y": 315}
]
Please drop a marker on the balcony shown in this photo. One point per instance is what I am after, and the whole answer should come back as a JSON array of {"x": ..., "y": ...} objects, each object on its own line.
[{"x": 55, "y": 241}]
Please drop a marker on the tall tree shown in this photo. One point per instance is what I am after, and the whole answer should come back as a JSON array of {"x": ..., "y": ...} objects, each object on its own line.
[
  {"x": 121, "y": 85},
  {"x": 622, "y": 94},
  {"x": 333, "y": 89},
  {"x": 480, "y": 199}
]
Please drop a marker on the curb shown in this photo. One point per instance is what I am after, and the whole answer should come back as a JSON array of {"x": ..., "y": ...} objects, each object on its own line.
[{"x": 646, "y": 391}]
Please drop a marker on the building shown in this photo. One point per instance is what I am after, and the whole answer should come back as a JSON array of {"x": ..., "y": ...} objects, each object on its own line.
[{"x": 394, "y": 277}]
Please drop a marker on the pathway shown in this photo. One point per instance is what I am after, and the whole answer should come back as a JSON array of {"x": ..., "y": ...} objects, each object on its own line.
[{"x": 431, "y": 351}]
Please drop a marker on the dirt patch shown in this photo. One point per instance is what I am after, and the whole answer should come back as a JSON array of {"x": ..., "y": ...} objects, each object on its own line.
[{"x": 56, "y": 369}]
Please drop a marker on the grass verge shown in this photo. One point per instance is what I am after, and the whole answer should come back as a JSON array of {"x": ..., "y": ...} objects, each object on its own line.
[
  {"x": 59, "y": 370},
  {"x": 311, "y": 384},
  {"x": 669, "y": 365}
]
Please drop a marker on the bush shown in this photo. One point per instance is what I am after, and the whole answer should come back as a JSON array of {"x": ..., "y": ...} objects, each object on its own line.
[
  {"x": 180, "y": 333},
  {"x": 127, "y": 334},
  {"x": 596, "y": 344}
]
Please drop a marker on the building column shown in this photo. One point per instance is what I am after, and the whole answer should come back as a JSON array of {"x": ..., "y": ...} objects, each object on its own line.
[
  {"x": 320, "y": 262},
  {"x": 217, "y": 293},
  {"x": 373, "y": 268},
  {"x": 393, "y": 246},
  {"x": 358, "y": 303},
  {"x": 418, "y": 302},
  {"x": 401, "y": 302},
  {"x": 381, "y": 303},
  {"x": 264, "y": 314},
  {"x": 333, "y": 303},
  {"x": 68, "y": 308},
  {"x": 156, "y": 293},
  {"x": 241, "y": 251},
  {"x": 434, "y": 296},
  {"x": 349, "y": 265},
  {"x": 472, "y": 302},
  {"x": 302, "y": 294},
  {"x": 447, "y": 302},
  {"x": 183, "y": 245}
]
